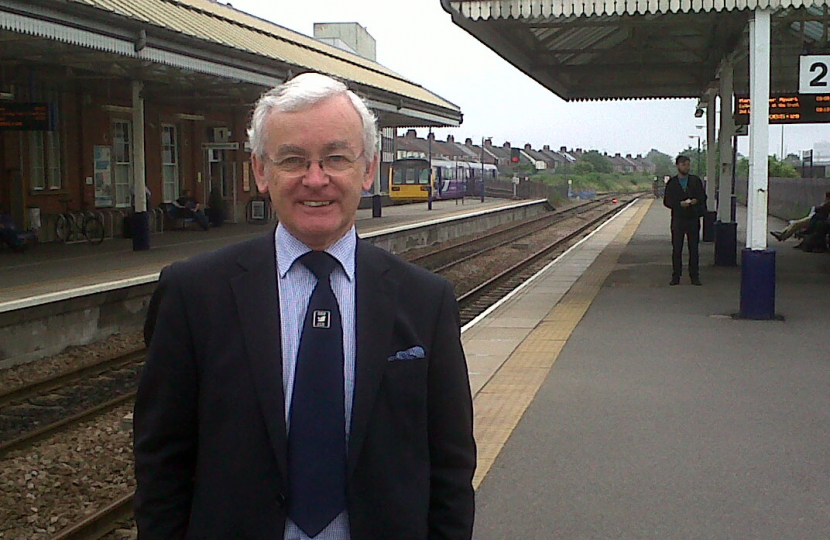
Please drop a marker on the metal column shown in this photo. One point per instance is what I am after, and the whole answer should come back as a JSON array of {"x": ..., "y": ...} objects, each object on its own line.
[
  {"x": 726, "y": 232},
  {"x": 758, "y": 262},
  {"x": 711, "y": 172},
  {"x": 140, "y": 218}
]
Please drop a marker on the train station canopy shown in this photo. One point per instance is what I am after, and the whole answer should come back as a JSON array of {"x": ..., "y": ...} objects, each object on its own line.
[
  {"x": 200, "y": 51},
  {"x": 629, "y": 49}
]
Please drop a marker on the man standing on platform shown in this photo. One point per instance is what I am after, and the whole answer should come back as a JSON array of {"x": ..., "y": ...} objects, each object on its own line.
[
  {"x": 305, "y": 384},
  {"x": 686, "y": 198}
]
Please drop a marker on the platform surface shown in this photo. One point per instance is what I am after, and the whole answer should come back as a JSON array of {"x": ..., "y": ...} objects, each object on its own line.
[
  {"x": 611, "y": 406},
  {"x": 52, "y": 268}
]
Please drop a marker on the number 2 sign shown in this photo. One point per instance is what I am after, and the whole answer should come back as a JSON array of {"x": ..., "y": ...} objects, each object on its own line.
[{"x": 814, "y": 74}]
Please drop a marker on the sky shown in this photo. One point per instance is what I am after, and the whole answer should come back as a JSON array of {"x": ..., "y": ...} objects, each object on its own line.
[{"x": 418, "y": 40}]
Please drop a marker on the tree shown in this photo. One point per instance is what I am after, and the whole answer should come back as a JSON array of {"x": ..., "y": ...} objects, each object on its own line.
[
  {"x": 777, "y": 169},
  {"x": 663, "y": 163},
  {"x": 698, "y": 160},
  {"x": 598, "y": 161},
  {"x": 583, "y": 167}
]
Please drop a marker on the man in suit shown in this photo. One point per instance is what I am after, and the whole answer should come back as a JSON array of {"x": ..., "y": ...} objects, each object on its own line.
[
  {"x": 686, "y": 198},
  {"x": 278, "y": 404}
]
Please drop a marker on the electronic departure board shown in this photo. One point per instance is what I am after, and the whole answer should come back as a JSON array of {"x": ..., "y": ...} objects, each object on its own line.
[
  {"x": 17, "y": 116},
  {"x": 789, "y": 109}
]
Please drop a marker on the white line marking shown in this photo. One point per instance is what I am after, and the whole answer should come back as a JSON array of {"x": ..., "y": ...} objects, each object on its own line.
[{"x": 76, "y": 292}]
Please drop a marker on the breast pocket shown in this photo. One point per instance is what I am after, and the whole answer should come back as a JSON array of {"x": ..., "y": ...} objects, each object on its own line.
[{"x": 406, "y": 381}]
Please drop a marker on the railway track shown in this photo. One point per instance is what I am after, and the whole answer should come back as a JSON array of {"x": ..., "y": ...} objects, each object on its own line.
[
  {"x": 452, "y": 255},
  {"x": 102, "y": 522},
  {"x": 475, "y": 301},
  {"x": 41, "y": 409}
]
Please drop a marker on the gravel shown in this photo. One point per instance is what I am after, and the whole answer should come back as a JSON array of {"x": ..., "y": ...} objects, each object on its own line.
[
  {"x": 471, "y": 273},
  {"x": 58, "y": 481},
  {"x": 69, "y": 358}
]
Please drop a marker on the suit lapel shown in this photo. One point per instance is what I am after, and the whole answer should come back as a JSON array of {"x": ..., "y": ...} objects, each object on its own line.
[
  {"x": 257, "y": 301},
  {"x": 374, "y": 301}
]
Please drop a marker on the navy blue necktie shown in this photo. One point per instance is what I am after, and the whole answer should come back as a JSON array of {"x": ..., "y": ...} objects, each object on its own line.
[{"x": 317, "y": 432}]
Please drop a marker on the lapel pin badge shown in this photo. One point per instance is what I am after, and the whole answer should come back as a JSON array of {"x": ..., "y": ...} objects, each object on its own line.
[{"x": 321, "y": 319}]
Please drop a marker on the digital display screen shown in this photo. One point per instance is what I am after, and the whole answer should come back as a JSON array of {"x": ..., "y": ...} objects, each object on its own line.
[
  {"x": 25, "y": 117},
  {"x": 789, "y": 109}
]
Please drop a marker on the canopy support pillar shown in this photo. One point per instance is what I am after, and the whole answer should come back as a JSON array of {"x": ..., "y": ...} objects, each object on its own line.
[{"x": 758, "y": 262}]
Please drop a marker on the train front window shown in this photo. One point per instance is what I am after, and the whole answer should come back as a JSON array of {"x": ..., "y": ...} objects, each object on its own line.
[{"x": 423, "y": 176}]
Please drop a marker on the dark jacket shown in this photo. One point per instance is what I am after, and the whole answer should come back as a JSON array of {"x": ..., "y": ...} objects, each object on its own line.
[
  {"x": 675, "y": 194},
  {"x": 210, "y": 434}
]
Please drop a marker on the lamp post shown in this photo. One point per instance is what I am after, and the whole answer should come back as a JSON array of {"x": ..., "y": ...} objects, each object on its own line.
[
  {"x": 429, "y": 171},
  {"x": 482, "y": 168},
  {"x": 697, "y": 159}
]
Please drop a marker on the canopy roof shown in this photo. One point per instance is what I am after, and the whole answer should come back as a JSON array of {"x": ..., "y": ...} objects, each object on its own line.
[
  {"x": 629, "y": 49},
  {"x": 200, "y": 45}
]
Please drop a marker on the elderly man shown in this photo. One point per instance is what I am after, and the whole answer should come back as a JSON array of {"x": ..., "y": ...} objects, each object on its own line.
[{"x": 305, "y": 384}]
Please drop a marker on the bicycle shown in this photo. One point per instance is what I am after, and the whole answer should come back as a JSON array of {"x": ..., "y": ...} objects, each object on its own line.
[{"x": 74, "y": 227}]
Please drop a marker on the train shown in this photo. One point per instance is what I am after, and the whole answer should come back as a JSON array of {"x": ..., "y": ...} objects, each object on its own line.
[{"x": 410, "y": 179}]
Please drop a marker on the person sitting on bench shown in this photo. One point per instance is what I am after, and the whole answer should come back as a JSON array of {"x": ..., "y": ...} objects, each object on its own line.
[
  {"x": 819, "y": 214},
  {"x": 189, "y": 208}
]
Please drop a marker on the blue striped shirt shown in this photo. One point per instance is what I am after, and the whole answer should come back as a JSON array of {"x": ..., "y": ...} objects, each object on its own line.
[{"x": 296, "y": 283}]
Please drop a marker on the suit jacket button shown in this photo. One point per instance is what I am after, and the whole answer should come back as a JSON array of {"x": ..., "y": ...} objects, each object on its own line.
[{"x": 281, "y": 500}]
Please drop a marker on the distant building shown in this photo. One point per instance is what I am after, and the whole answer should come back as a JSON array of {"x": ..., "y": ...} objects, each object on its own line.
[{"x": 350, "y": 37}]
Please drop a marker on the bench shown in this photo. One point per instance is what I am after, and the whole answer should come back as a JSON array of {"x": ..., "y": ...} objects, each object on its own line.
[{"x": 171, "y": 213}]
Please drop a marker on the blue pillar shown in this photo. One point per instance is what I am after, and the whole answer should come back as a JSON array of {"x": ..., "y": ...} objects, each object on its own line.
[
  {"x": 726, "y": 244},
  {"x": 757, "y": 284},
  {"x": 709, "y": 219},
  {"x": 140, "y": 223}
]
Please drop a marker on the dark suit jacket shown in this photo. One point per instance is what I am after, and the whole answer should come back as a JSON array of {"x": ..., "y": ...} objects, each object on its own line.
[
  {"x": 675, "y": 194},
  {"x": 210, "y": 435}
]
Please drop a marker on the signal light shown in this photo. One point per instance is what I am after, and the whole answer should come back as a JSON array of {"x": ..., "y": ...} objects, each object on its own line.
[{"x": 514, "y": 155}]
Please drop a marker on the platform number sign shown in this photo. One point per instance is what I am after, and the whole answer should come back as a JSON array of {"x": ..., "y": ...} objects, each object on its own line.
[{"x": 814, "y": 74}]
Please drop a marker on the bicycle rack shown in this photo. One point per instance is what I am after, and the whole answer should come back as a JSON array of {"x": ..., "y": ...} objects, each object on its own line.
[{"x": 103, "y": 217}]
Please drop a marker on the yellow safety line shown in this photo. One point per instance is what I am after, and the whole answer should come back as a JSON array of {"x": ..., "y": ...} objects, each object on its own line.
[{"x": 500, "y": 404}]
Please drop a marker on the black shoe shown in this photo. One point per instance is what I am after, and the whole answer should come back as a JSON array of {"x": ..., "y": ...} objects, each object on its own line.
[
  {"x": 674, "y": 281},
  {"x": 696, "y": 281},
  {"x": 776, "y": 234}
]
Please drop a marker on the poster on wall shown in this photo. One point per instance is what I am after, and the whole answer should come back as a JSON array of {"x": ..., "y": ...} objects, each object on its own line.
[{"x": 104, "y": 191}]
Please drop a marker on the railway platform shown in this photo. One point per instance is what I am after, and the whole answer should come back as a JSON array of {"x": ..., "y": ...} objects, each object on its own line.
[
  {"x": 52, "y": 268},
  {"x": 611, "y": 405}
]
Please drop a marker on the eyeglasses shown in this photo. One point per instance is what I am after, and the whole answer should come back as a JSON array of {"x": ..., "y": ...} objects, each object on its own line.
[{"x": 330, "y": 164}]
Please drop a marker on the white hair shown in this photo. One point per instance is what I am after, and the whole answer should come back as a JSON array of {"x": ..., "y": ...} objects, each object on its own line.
[{"x": 301, "y": 93}]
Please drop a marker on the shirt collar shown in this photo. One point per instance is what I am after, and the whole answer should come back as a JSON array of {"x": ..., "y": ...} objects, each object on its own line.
[{"x": 289, "y": 249}]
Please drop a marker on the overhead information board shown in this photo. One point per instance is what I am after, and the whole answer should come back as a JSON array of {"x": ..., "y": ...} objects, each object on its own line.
[
  {"x": 25, "y": 117},
  {"x": 789, "y": 109}
]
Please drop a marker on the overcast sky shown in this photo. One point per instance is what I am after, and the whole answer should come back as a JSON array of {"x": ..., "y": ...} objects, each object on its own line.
[{"x": 419, "y": 40}]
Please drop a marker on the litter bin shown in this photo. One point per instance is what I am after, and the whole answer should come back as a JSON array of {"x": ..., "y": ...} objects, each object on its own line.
[{"x": 376, "y": 206}]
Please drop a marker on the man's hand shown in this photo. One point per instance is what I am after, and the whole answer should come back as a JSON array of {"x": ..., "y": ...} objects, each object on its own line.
[{"x": 686, "y": 203}]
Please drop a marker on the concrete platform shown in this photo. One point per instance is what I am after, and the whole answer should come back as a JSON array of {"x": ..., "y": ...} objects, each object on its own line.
[
  {"x": 52, "y": 268},
  {"x": 629, "y": 409}
]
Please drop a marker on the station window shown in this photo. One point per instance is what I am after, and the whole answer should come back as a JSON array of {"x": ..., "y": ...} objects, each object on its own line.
[
  {"x": 122, "y": 163},
  {"x": 45, "y": 160},
  {"x": 170, "y": 162}
]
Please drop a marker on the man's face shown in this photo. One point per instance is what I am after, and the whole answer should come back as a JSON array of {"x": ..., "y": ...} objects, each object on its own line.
[
  {"x": 684, "y": 167},
  {"x": 316, "y": 206}
]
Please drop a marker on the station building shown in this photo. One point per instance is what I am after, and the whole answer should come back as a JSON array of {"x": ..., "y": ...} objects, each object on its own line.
[{"x": 98, "y": 97}]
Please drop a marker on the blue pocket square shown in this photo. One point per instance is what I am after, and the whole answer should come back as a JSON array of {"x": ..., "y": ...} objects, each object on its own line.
[{"x": 410, "y": 354}]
